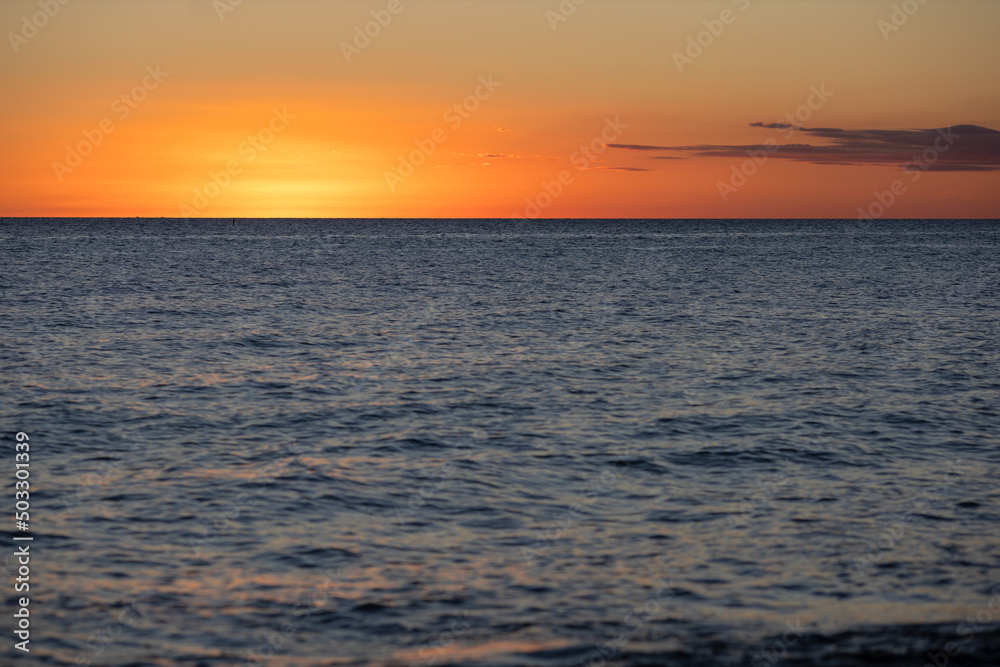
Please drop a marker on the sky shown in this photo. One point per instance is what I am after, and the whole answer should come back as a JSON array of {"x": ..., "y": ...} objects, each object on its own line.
[{"x": 501, "y": 108}]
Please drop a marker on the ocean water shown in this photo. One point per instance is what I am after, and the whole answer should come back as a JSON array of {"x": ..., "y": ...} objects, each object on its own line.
[{"x": 549, "y": 443}]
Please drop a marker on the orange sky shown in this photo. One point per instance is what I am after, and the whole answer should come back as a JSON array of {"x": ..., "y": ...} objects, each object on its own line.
[{"x": 326, "y": 132}]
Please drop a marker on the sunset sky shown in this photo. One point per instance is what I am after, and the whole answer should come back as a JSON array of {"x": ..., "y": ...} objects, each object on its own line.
[{"x": 277, "y": 108}]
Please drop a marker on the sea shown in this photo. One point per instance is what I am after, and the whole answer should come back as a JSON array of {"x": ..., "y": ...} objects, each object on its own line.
[{"x": 550, "y": 443}]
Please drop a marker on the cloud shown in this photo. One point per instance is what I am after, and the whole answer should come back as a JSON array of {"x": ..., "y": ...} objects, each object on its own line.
[
  {"x": 774, "y": 126},
  {"x": 621, "y": 168},
  {"x": 635, "y": 147},
  {"x": 955, "y": 148}
]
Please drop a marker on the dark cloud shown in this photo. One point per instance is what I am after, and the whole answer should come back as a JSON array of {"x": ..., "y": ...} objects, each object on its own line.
[
  {"x": 634, "y": 147},
  {"x": 774, "y": 126},
  {"x": 955, "y": 148}
]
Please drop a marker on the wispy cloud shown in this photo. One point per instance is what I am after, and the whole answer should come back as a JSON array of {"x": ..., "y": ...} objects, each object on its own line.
[
  {"x": 960, "y": 147},
  {"x": 621, "y": 168}
]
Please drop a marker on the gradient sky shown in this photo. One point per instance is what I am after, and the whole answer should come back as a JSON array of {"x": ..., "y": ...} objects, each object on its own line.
[{"x": 560, "y": 83}]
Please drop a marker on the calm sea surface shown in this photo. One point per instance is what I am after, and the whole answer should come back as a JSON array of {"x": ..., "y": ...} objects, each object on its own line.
[{"x": 496, "y": 443}]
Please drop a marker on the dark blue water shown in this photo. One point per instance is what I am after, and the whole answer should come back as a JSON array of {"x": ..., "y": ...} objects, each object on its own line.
[{"x": 498, "y": 443}]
